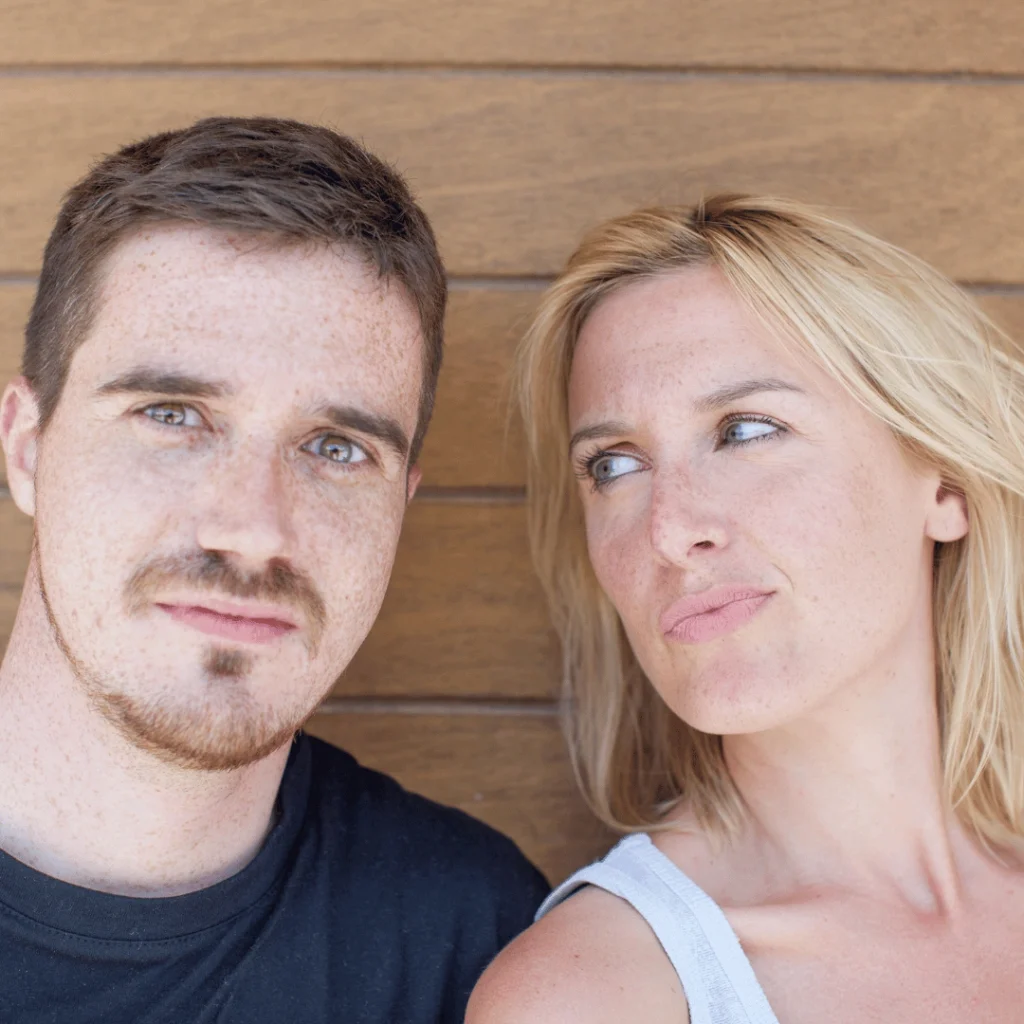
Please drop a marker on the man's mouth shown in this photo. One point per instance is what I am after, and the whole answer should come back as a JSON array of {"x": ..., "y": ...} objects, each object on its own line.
[{"x": 242, "y": 623}]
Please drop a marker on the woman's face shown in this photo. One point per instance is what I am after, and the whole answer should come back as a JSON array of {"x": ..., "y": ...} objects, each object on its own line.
[{"x": 765, "y": 540}]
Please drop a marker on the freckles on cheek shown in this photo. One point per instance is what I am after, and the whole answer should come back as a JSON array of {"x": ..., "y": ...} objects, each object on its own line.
[
  {"x": 614, "y": 561},
  {"x": 353, "y": 557}
]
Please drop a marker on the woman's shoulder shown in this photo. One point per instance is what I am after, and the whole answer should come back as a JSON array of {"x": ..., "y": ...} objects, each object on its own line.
[{"x": 590, "y": 959}]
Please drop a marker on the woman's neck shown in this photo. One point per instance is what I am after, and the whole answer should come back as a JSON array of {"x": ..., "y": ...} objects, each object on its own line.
[{"x": 852, "y": 794}]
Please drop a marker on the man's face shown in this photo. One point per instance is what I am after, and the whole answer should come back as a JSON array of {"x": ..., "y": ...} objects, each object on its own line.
[{"x": 219, "y": 493}]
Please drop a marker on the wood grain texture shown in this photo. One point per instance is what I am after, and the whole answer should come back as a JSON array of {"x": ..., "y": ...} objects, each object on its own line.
[
  {"x": 921, "y": 35},
  {"x": 475, "y": 438},
  {"x": 513, "y": 168},
  {"x": 510, "y": 771},
  {"x": 463, "y": 617},
  {"x": 15, "y": 301},
  {"x": 464, "y": 614}
]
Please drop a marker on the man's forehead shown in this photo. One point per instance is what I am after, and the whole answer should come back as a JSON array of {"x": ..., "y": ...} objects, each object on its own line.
[
  {"x": 165, "y": 260},
  {"x": 201, "y": 299}
]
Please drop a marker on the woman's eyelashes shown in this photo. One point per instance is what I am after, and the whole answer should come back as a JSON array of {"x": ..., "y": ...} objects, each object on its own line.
[
  {"x": 735, "y": 431},
  {"x": 603, "y": 466},
  {"x": 600, "y": 468}
]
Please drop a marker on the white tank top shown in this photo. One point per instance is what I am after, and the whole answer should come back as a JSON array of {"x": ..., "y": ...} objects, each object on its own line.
[{"x": 713, "y": 970}]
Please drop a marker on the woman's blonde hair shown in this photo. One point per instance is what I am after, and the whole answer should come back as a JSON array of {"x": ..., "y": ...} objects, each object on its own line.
[{"x": 915, "y": 351}]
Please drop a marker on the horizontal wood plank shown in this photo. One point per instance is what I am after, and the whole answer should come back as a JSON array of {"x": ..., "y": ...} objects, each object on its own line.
[
  {"x": 512, "y": 168},
  {"x": 922, "y": 35},
  {"x": 475, "y": 439},
  {"x": 463, "y": 616},
  {"x": 15, "y": 301},
  {"x": 510, "y": 771}
]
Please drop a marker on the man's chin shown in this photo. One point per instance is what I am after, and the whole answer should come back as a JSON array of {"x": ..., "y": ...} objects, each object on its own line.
[
  {"x": 210, "y": 718},
  {"x": 224, "y": 734}
]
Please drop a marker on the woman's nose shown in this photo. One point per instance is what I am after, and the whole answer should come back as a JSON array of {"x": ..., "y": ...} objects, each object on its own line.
[{"x": 685, "y": 519}]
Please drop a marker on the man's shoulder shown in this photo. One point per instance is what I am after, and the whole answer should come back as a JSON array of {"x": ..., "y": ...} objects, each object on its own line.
[{"x": 411, "y": 834}]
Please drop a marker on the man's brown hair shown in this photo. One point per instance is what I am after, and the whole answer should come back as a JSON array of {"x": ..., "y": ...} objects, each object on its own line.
[{"x": 282, "y": 179}]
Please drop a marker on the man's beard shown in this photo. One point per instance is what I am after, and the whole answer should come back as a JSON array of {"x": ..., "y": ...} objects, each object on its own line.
[{"x": 226, "y": 727}]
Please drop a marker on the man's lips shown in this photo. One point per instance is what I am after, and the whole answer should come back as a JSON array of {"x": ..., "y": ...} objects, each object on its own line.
[
  {"x": 254, "y": 624},
  {"x": 712, "y": 613}
]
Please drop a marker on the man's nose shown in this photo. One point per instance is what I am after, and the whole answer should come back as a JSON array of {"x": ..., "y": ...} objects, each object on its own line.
[
  {"x": 247, "y": 508},
  {"x": 685, "y": 519}
]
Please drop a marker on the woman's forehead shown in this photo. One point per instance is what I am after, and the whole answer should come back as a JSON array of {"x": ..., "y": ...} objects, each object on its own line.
[{"x": 686, "y": 330}]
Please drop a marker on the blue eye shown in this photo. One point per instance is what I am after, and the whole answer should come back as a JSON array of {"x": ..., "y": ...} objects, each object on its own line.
[
  {"x": 603, "y": 468},
  {"x": 743, "y": 431},
  {"x": 337, "y": 449},
  {"x": 173, "y": 414}
]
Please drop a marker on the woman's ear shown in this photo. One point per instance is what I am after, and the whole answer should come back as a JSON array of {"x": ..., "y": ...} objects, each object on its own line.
[
  {"x": 19, "y": 435},
  {"x": 947, "y": 518}
]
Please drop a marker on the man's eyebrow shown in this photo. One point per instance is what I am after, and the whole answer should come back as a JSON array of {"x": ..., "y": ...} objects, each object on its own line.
[
  {"x": 734, "y": 392},
  {"x": 592, "y": 433},
  {"x": 146, "y": 380},
  {"x": 385, "y": 429}
]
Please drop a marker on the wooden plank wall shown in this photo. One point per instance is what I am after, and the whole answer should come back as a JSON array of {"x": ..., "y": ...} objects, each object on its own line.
[{"x": 521, "y": 123}]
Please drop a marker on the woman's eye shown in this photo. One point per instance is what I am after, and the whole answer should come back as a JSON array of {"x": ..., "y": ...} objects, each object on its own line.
[
  {"x": 741, "y": 431},
  {"x": 173, "y": 414},
  {"x": 605, "y": 468},
  {"x": 337, "y": 449}
]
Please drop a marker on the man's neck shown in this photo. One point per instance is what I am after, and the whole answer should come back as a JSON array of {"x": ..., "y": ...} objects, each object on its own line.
[{"x": 80, "y": 803}]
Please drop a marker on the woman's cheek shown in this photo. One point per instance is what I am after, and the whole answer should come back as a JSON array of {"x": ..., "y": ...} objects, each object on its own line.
[{"x": 616, "y": 559}]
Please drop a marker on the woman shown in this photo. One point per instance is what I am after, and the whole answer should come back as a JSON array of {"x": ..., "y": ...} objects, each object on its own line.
[{"x": 777, "y": 502}]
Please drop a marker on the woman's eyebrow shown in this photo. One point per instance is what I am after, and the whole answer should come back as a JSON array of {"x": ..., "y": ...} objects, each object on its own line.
[
  {"x": 706, "y": 403},
  {"x": 597, "y": 430},
  {"x": 734, "y": 392}
]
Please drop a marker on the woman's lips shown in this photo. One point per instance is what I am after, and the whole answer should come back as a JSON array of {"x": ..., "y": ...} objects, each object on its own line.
[
  {"x": 250, "y": 629},
  {"x": 712, "y": 613}
]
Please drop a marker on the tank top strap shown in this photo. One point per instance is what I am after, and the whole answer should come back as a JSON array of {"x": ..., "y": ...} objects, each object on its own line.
[{"x": 715, "y": 974}]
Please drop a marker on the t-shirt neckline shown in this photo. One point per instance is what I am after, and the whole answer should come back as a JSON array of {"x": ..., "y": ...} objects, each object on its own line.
[{"x": 86, "y": 912}]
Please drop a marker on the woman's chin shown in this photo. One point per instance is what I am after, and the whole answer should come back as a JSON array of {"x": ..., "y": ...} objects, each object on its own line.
[{"x": 738, "y": 704}]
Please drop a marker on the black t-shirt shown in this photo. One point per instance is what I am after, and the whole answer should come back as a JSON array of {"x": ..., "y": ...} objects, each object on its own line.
[{"x": 366, "y": 905}]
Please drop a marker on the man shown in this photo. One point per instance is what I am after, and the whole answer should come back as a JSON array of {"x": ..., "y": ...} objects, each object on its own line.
[{"x": 228, "y": 372}]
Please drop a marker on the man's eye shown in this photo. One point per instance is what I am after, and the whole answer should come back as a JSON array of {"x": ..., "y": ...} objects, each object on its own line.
[
  {"x": 337, "y": 449},
  {"x": 743, "y": 431},
  {"x": 173, "y": 414}
]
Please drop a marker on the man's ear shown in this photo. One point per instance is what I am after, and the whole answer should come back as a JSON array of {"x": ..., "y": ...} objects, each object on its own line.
[
  {"x": 413, "y": 479},
  {"x": 19, "y": 435},
  {"x": 947, "y": 518}
]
